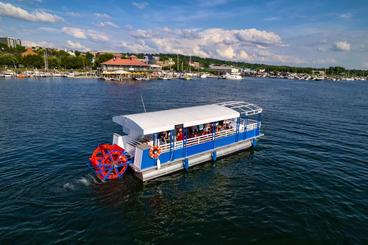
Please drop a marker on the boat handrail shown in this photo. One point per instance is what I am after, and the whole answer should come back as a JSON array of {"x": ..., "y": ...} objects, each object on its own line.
[
  {"x": 242, "y": 107},
  {"x": 252, "y": 124},
  {"x": 132, "y": 142}
]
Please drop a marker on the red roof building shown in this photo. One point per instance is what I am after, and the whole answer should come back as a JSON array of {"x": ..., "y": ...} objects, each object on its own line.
[
  {"x": 132, "y": 67},
  {"x": 119, "y": 63}
]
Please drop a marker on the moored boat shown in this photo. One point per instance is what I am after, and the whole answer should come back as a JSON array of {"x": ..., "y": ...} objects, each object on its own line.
[
  {"x": 233, "y": 76},
  {"x": 158, "y": 143}
]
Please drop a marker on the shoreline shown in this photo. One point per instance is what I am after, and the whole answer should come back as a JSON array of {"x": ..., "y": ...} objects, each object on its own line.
[{"x": 175, "y": 75}]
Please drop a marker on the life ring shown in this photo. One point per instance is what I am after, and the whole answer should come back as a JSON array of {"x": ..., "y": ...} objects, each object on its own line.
[{"x": 154, "y": 152}]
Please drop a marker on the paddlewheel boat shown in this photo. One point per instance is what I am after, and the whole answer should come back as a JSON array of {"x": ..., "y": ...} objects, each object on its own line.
[{"x": 158, "y": 143}]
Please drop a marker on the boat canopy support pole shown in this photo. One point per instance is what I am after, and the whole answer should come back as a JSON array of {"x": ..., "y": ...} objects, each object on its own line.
[
  {"x": 155, "y": 139},
  {"x": 172, "y": 144},
  {"x": 185, "y": 136},
  {"x": 259, "y": 119},
  {"x": 213, "y": 154},
  {"x": 155, "y": 142},
  {"x": 237, "y": 129},
  {"x": 246, "y": 127}
]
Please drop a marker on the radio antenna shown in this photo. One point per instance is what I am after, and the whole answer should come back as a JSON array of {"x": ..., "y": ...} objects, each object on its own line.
[{"x": 144, "y": 107}]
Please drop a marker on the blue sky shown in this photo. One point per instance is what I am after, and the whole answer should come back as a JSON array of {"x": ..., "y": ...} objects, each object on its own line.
[{"x": 284, "y": 32}]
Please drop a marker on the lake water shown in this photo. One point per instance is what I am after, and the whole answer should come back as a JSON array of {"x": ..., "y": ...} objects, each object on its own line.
[{"x": 305, "y": 182}]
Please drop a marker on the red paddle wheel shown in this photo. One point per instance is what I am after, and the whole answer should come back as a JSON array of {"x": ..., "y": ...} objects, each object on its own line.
[{"x": 109, "y": 161}]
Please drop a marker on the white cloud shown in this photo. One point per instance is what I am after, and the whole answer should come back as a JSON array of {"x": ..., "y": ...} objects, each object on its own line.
[
  {"x": 212, "y": 3},
  {"x": 76, "y": 45},
  {"x": 137, "y": 47},
  {"x": 257, "y": 36},
  {"x": 342, "y": 46},
  {"x": 140, "y": 5},
  {"x": 49, "y": 29},
  {"x": 365, "y": 65},
  {"x": 226, "y": 51},
  {"x": 250, "y": 45},
  {"x": 103, "y": 15},
  {"x": 85, "y": 34},
  {"x": 44, "y": 44},
  {"x": 108, "y": 24},
  {"x": 97, "y": 36},
  {"x": 75, "y": 32},
  {"x": 274, "y": 18},
  {"x": 243, "y": 55},
  {"x": 73, "y": 14},
  {"x": 141, "y": 34},
  {"x": 346, "y": 16},
  {"x": 7, "y": 9}
]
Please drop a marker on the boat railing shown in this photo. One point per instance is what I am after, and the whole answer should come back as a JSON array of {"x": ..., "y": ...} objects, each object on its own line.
[
  {"x": 132, "y": 142},
  {"x": 251, "y": 124}
]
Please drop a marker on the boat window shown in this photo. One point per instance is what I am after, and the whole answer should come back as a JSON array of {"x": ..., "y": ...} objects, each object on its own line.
[
  {"x": 201, "y": 130},
  {"x": 164, "y": 137}
]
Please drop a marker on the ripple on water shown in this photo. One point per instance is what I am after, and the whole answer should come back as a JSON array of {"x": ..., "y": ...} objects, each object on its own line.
[{"x": 305, "y": 182}]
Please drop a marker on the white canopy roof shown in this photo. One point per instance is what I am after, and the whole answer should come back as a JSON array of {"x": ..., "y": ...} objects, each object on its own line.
[
  {"x": 159, "y": 121},
  {"x": 140, "y": 124}
]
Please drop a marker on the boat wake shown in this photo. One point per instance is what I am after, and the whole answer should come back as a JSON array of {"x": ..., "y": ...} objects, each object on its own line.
[{"x": 83, "y": 181}]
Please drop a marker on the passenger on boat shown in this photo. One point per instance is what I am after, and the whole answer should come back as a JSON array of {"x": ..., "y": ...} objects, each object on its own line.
[
  {"x": 199, "y": 129},
  {"x": 179, "y": 134},
  {"x": 205, "y": 131},
  {"x": 193, "y": 132},
  {"x": 164, "y": 137},
  {"x": 219, "y": 128}
]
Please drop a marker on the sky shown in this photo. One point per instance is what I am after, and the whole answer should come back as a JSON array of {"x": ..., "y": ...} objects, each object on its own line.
[{"x": 280, "y": 32}]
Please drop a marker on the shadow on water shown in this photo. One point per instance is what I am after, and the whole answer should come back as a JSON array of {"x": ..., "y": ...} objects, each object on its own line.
[{"x": 154, "y": 197}]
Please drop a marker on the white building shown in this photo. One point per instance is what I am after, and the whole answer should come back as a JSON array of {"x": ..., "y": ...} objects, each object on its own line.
[{"x": 10, "y": 42}]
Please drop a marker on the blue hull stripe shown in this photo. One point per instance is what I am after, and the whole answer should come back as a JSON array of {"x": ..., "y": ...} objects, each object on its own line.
[{"x": 148, "y": 162}]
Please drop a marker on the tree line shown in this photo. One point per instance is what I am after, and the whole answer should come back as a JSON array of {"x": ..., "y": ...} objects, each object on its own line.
[
  {"x": 57, "y": 59},
  {"x": 206, "y": 62},
  {"x": 60, "y": 59}
]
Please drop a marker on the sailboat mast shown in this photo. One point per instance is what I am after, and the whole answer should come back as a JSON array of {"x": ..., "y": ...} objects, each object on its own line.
[
  {"x": 46, "y": 62},
  {"x": 177, "y": 62},
  {"x": 190, "y": 63}
]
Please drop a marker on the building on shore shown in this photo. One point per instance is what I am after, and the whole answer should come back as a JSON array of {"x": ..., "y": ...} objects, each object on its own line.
[
  {"x": 222, "y": 69},
  {"x": 28, "y": 52},
  {"x": 128, "y": 68},
  {"x": 195, "y": 65},
  {"x": 151, "y": 59},
  {"x": 155, "y": 60},
  {"x": 10, "y": 42}
]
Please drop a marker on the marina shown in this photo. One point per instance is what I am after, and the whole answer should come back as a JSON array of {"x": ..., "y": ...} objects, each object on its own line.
[{"x": 122, "y": 75}]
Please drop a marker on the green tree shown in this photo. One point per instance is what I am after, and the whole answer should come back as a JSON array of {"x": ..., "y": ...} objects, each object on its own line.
[
  {"x": 72, "y": 62},
  {"x": 54, "y": 62},
  {"x": 89, "y": 57},
  {"x": 33, "y": 61},
  {"x": 103, "y": 57},
  {"x": 8, "y": 60}
]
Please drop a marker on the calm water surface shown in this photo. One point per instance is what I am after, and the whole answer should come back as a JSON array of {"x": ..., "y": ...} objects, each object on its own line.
[{"x": 305, "y": 182}]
